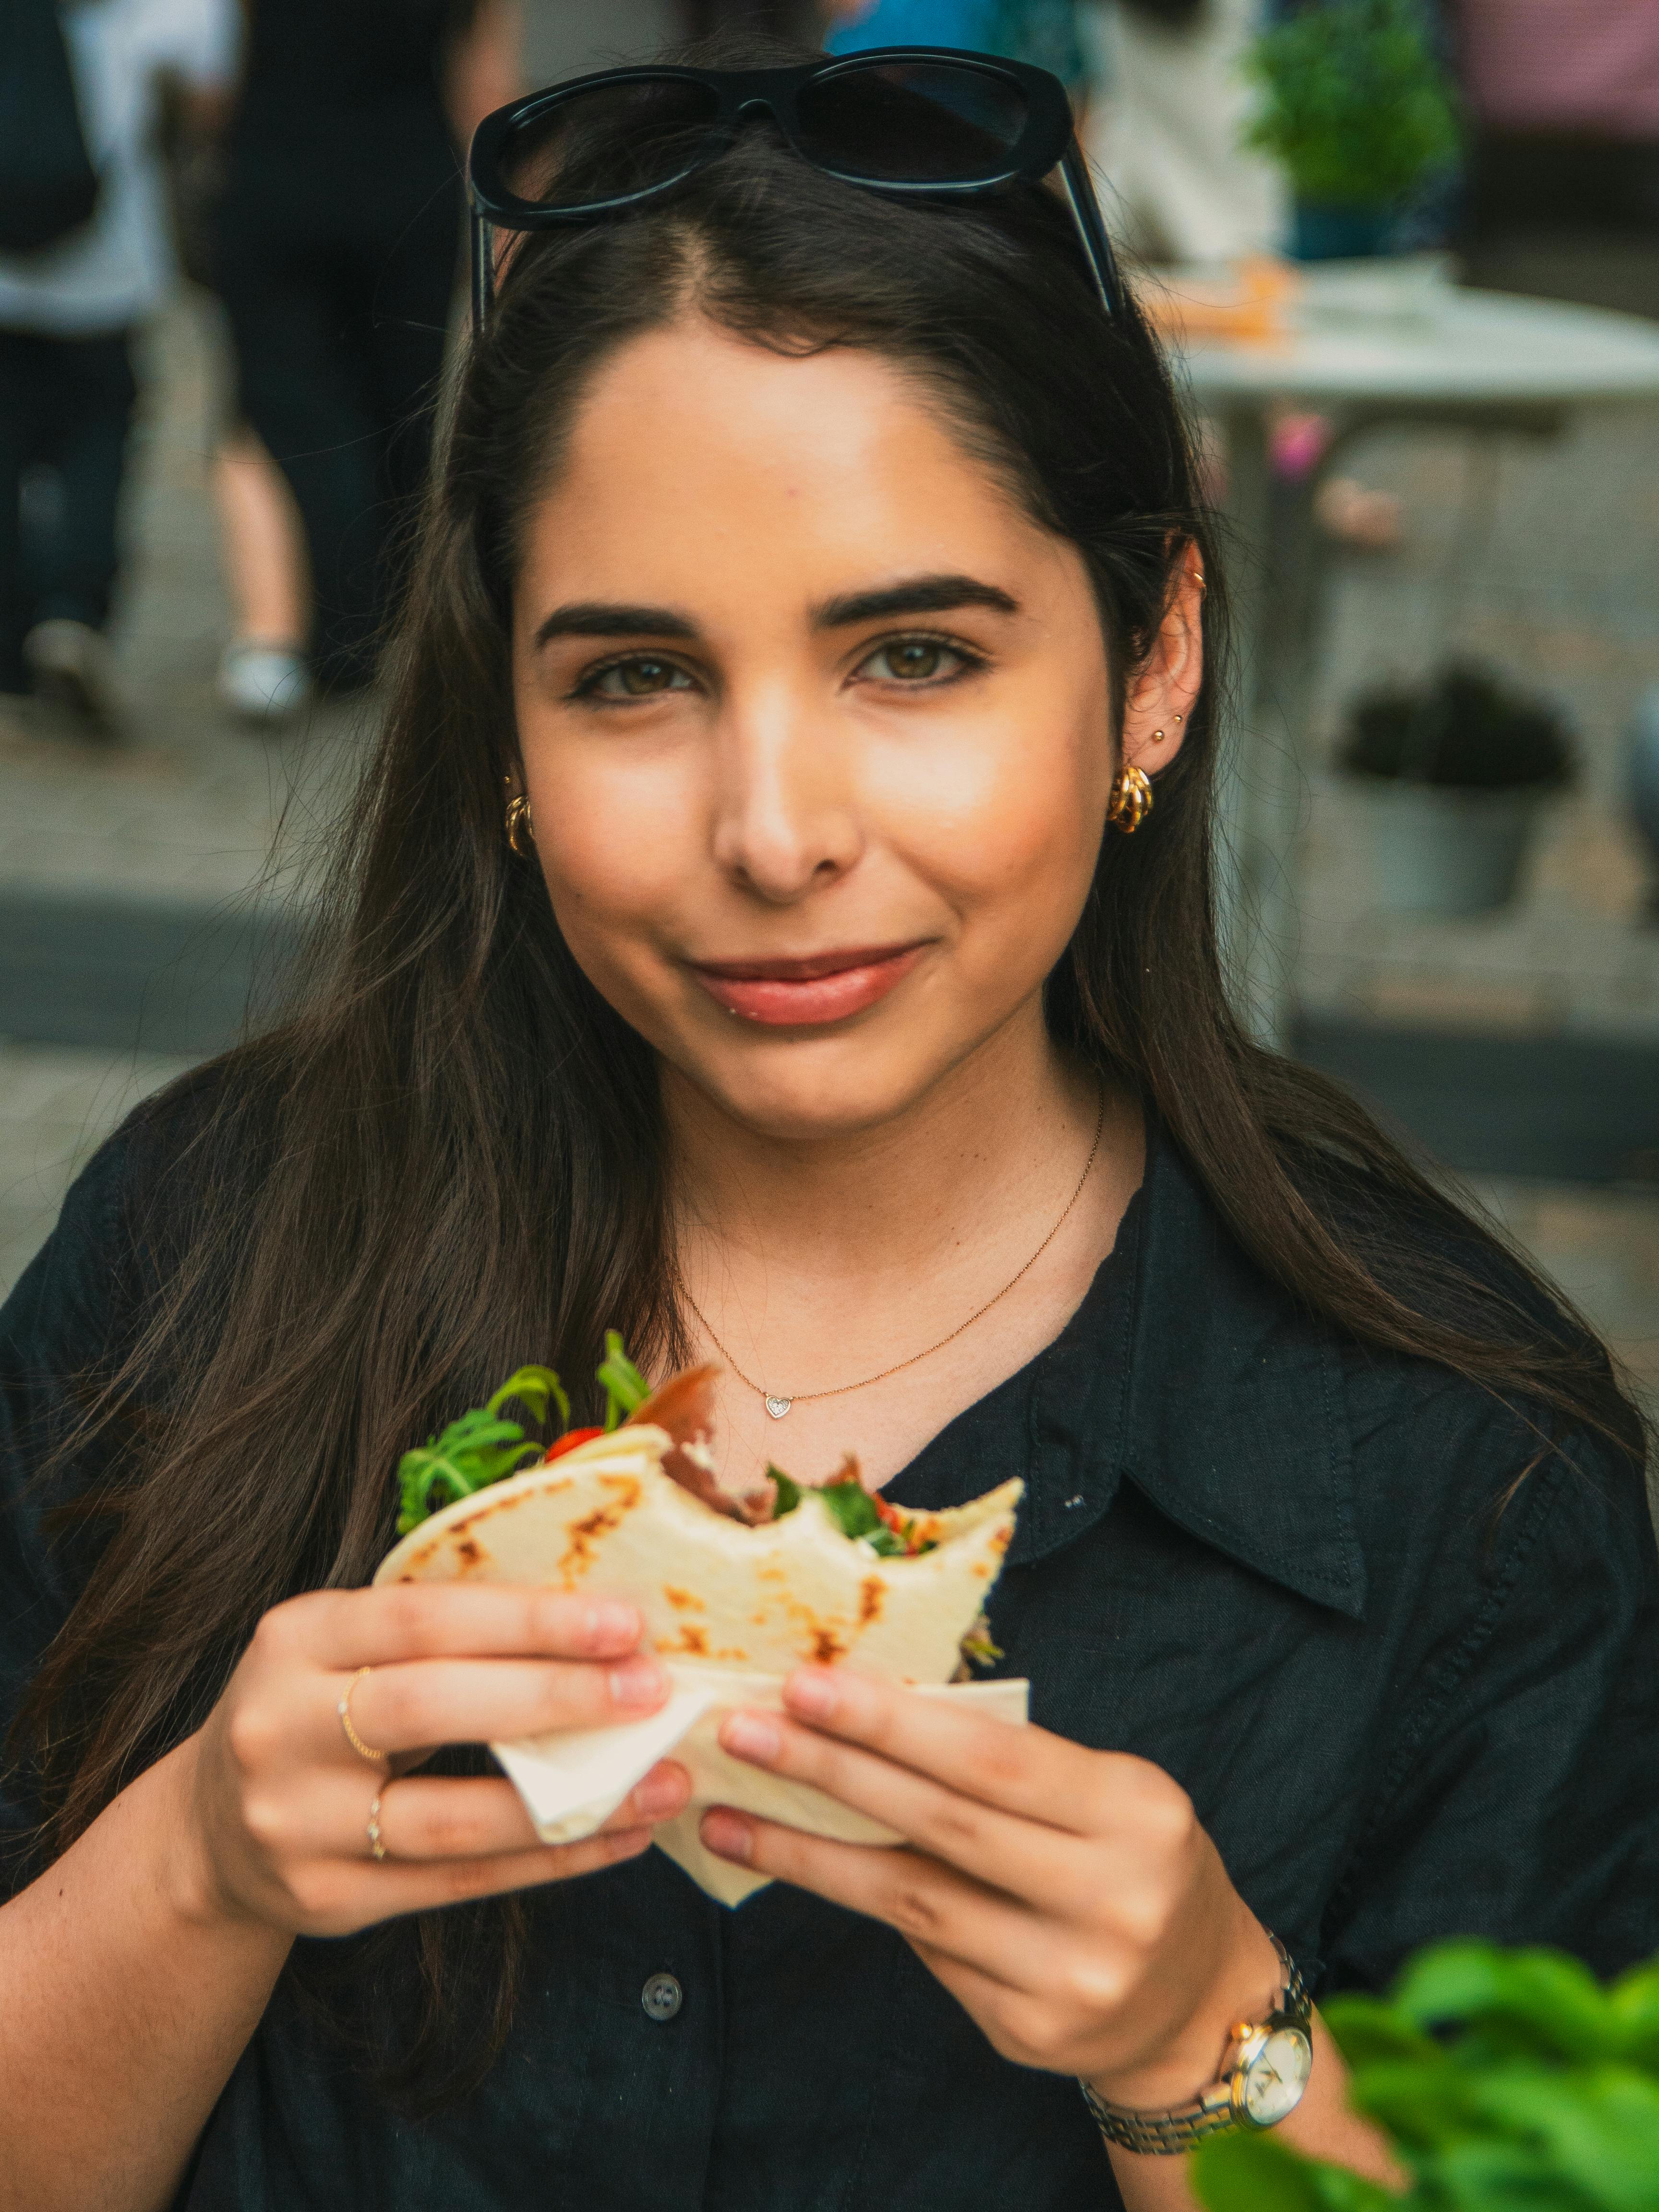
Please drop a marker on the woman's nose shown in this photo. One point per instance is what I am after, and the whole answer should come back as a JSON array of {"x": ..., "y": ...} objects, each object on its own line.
[{"x": 786, "y": 819}]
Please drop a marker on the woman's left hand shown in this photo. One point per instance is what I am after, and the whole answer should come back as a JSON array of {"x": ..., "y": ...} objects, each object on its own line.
[{"x": 1067, "y": 1898}]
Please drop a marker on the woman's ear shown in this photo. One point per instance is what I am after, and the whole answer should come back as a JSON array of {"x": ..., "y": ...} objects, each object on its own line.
[{"x": 1161, "y": 698}]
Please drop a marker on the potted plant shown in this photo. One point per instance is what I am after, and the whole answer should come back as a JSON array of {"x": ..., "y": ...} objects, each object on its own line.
[
  {"x": 1358, "y": 111},
  {"x": 1455, "y": 770},
  {"x": 1506, "y": 2081}
]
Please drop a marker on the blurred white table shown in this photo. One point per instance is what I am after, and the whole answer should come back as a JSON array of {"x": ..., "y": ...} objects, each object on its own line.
[{"x": 1473, "y": 361}]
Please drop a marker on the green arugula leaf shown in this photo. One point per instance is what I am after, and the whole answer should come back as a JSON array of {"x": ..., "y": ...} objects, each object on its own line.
[
  {"x": 472, "y": 1453},
  {"x": 851, "y": 1509},
  {"x": 625, "y": 1389},
  {"x": 789, "y": 1494},
  {"x": 478, "y": 1448},
  {"x": 886, "y": 1543},
  {"x": 536, "y": 1387}
]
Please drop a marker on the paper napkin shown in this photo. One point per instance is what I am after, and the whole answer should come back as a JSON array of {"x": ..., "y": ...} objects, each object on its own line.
[{"x": 571, "y": 1783}]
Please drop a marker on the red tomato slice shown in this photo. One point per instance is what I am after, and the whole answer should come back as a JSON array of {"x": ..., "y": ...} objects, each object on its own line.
[{"x": 569, "y": 1442}]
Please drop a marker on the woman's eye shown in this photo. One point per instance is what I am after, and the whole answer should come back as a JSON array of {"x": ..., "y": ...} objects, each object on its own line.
[
  {"x": 914, "y": 661},
  {"x": 641, "y": 677}
]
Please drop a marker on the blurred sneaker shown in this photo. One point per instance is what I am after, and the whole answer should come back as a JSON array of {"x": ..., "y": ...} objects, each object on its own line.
[
  {"x": 68, "y": 665},
  {"x": 263, "y": 683}
]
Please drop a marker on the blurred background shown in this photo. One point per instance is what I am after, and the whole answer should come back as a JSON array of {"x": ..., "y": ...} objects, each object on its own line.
[{"x": 1406, "y": 258}]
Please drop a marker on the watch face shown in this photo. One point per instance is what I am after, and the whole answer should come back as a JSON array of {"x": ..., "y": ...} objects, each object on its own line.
[{"x": 1275, "y": 2078}]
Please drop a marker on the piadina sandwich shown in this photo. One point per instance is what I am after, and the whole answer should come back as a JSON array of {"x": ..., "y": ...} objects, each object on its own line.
[{"x": 734, "y": 1590}]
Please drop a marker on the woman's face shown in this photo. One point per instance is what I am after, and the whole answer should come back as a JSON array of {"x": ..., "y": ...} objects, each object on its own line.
[{"x": 815, "y": 727}]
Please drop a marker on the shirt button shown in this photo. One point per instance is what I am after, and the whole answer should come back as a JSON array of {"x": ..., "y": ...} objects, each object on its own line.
[{"x": 661, "y": 1997}]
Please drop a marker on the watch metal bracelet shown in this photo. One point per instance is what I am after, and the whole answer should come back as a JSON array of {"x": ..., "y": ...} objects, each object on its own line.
[{"x": 1216, "y": 2110}]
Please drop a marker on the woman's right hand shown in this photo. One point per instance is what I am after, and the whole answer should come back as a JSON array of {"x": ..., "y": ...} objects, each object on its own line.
[{"x": 280, "y": 1801}]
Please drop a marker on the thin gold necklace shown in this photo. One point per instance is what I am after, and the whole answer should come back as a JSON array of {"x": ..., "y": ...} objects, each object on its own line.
[{"x": 777, "y": 1406}]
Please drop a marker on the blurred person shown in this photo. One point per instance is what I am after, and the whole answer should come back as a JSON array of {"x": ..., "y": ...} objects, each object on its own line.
[
  {"x": 264, "y": 675},
  {"x": 1166, "y": 135},
  {"x": 1564, "y": 173},
  {"x": 68, "y": 315},
  {"x": 1042, "y": 31},
  {"x": 854, "y": 25},
  {"x": 337, "y": 244}
]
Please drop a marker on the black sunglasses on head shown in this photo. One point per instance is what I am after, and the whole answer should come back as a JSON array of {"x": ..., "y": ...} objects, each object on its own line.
[{"x": 912, "y": 121}]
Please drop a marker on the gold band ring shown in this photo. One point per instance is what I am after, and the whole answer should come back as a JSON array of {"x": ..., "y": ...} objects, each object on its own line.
[
  {"x": 344, "y": 1709},
  {"x": 377, "y": 1849}
]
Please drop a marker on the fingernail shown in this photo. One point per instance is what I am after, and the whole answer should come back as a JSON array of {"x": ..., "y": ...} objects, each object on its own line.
[
  {"x": 660, "y": 1795},
  {"x": 638, "y": 1681},
  {"x": 727, "y": 1835},
  {"x": 611, "y": 1622},
  {"x": 811, "y": 1692},
  {"x": 751, "y": 1735}
]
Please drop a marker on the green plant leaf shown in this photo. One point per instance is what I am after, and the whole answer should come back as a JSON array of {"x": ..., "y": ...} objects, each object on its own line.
[
  {"x": 1243, "y": 2172},
  {"x": 625, "y": 1389},
  {"x": 1533, "y": 2002},
  {"x": 1633, "y": 2002},
  {"x": 1422, "y": 2103},
  {"x": 1506, "y": 2080},
  {"x": 1352, "y": 102},
  {"x": 1368, "y": 2028},
  {"x": 1497, "y": 2177},
  {"x": 1598, "y": 2128}
]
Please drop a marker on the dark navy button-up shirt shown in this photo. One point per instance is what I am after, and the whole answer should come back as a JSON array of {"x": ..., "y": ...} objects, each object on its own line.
[{"x": 1269, "y": 1560}]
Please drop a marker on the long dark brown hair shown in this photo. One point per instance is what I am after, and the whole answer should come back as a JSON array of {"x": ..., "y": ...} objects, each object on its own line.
[{"x": 446, "y": 1157}]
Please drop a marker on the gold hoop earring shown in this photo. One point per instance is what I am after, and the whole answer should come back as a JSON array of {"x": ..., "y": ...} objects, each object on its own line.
[
  {"x": 518, "y": 822},
  {"x": 1130, "y": 802}
]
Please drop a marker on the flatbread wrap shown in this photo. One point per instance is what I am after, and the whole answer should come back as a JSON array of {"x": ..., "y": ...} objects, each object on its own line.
[{"x": 734, "y": 1592}]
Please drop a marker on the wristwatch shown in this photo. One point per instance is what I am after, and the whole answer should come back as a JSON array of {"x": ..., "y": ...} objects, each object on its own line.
[{"x": 1267, "y": 2069}]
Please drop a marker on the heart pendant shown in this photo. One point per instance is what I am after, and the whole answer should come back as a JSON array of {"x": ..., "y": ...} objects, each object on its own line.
[{"x": 777, "y": 1407}]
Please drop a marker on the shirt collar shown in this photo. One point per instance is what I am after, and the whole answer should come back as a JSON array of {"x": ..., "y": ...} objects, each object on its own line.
[{"x": 1187, "y": 1373}]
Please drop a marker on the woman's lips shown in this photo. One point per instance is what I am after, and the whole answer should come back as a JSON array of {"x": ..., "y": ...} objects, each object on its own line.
[{"x": 827, "y": 986}]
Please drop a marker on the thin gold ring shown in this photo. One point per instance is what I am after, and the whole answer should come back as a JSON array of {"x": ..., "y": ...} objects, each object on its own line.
[
  {"x": 344, "y": 1709},
  {"x": 377, "y": 1849}
]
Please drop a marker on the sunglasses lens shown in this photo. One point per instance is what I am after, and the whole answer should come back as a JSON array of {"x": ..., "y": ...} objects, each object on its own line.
[
  {"x": 608, "y": 142},
  {"x": 913, "y": 122}
]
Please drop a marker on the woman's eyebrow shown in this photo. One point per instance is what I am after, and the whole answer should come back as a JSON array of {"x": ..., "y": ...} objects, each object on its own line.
[
  {"x": 918, "y": 595},
  {"x": 604, "y": 618}
]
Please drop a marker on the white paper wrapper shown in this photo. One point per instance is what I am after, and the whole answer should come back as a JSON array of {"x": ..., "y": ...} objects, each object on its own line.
[{"x": 571, "y": 1783}]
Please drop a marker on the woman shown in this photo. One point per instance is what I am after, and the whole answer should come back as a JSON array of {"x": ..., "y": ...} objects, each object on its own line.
[{"x": 816, "y": 575}]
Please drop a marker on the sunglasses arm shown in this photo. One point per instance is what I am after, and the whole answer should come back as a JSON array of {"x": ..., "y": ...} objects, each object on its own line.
[
  {"x": 1091, "y": 228},
  {"x": 483, "y": 269}
]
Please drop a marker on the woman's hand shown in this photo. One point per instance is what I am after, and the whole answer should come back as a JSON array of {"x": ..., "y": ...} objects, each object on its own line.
[
  {"x": 1067, "y": 1898},
  {"x": 280, "y": 1801}
]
